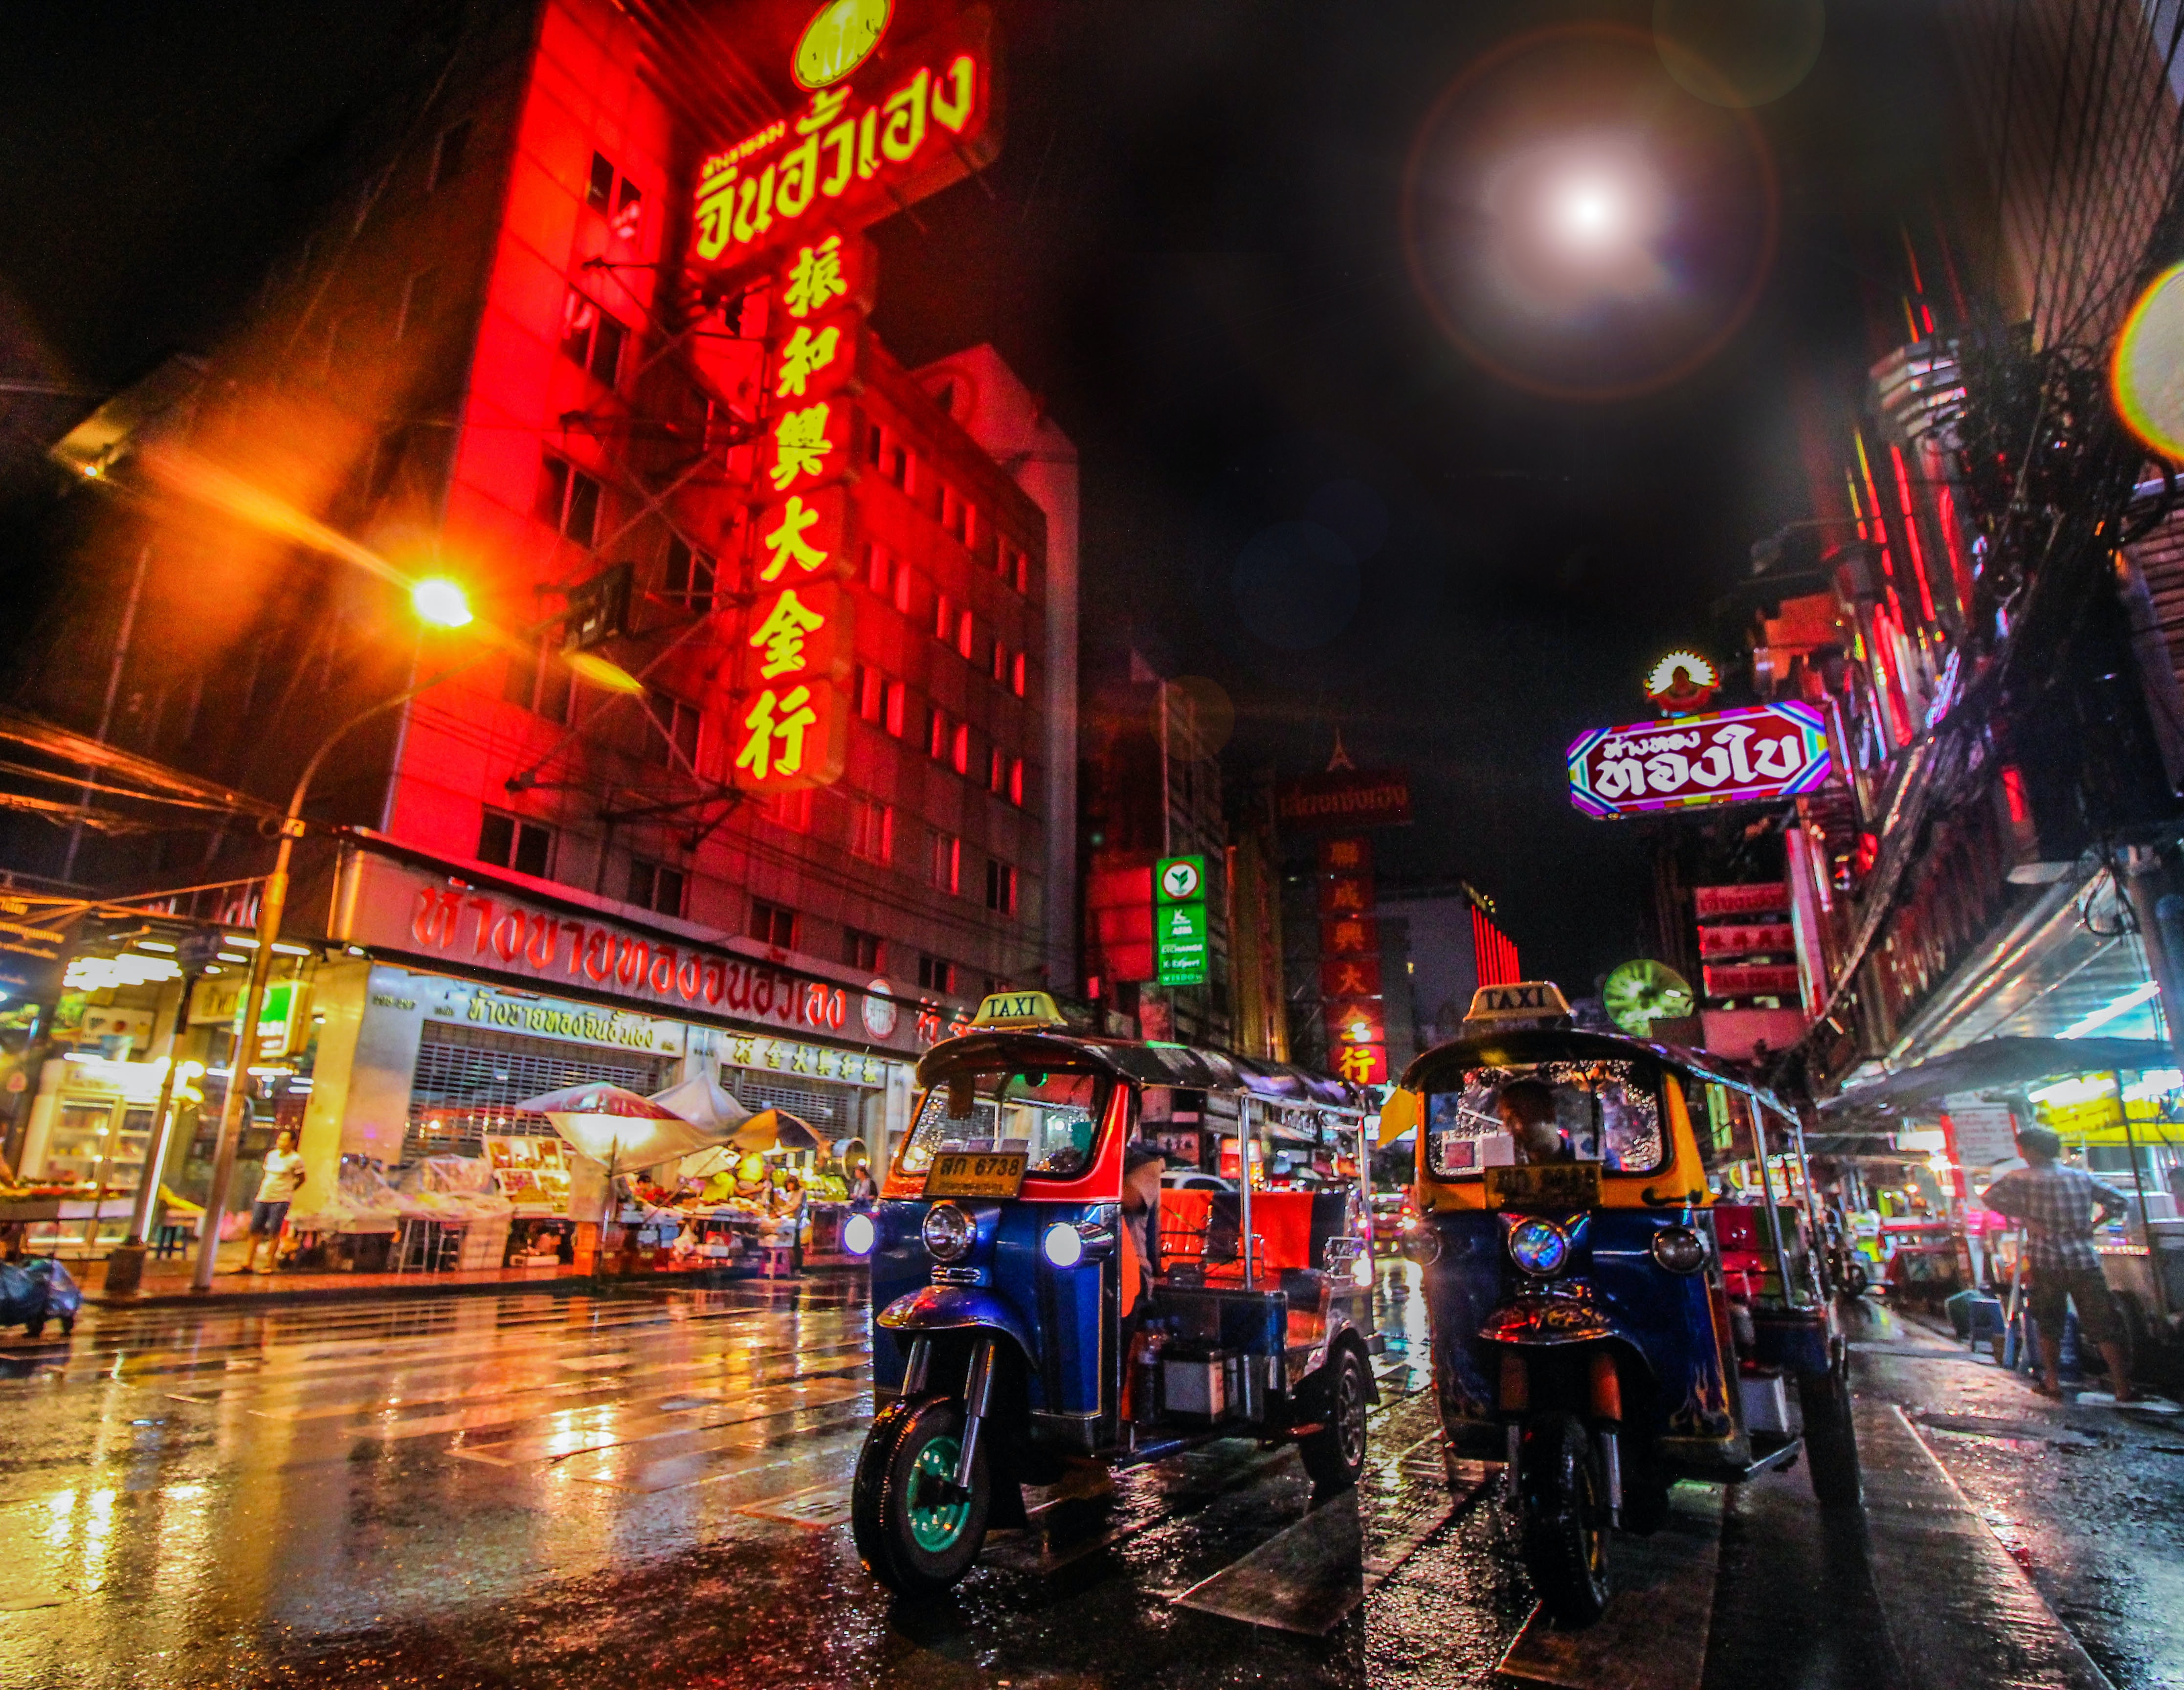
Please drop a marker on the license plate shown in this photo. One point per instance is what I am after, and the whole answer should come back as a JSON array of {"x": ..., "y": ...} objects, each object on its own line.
[
  {"x": 976, "y": 1173},
  {"x": 1544, "y": 1186}
]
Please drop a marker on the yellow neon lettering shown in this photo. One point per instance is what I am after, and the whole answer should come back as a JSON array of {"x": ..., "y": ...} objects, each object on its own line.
[{"x": 783, "y": 632}]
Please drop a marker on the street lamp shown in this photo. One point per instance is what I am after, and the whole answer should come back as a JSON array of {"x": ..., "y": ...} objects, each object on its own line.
[
  {"x": 440, "y": 603},
  {"x": 445, "y": 597}
]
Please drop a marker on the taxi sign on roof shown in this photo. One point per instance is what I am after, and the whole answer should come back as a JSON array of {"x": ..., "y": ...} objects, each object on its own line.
[
  {"x": 1018, "y": 1009},
  {"x": 1527, "y": 1001}
]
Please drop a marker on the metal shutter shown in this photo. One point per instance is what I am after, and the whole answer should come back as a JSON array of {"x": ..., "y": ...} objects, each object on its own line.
[
  {"x": 829, "y": 1109},
  {"x": 469, "y": 1078}
]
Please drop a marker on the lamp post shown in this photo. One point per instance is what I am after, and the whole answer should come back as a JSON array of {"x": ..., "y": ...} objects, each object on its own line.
[{"x": 440, "y": 604}]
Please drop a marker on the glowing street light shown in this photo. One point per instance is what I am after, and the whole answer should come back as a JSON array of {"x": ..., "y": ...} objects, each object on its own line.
[
  {"x": 1587, "y": 213},
  {"x": 439, "y": 602}
]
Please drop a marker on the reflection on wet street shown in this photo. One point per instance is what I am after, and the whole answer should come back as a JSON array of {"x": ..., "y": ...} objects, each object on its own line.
[{"x": 533, "y": 1489}]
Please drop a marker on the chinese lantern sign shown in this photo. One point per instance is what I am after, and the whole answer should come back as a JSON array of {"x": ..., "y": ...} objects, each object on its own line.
[
  {"x": 902, "y": 124},
  {"x": 1753, "y": 755}
]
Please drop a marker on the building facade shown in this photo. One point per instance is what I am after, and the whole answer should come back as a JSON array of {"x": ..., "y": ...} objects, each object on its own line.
[{"x": 812, "y": 795}]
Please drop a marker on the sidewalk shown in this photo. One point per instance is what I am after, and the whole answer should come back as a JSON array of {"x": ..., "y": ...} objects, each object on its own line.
[{"x": 166, "y": 1284}]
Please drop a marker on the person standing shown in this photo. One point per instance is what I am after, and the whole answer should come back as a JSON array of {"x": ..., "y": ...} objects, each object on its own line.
[
  {"x": 277, "y": 1187},
  {"x": 2056, "y": 1208}
]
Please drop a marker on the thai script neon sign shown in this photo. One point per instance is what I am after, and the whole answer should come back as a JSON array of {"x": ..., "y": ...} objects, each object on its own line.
[{"x": 1751, "y": 754}]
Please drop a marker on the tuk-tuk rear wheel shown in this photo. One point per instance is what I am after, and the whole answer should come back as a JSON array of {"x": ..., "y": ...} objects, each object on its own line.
[
  {"x": 917, "y": 1533},
  {"x": 1564, "y": 1519},
  {"x": 1334, "y": 1455},
  {"x": 1830, "y": 1438}
]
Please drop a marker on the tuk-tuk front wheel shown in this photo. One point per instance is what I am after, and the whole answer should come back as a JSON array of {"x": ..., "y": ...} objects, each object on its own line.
[
  {"x": 1334, "y": 1455},
  {"x": 917, "y": 1531},
  {"x": 1564, "y": 1521}
]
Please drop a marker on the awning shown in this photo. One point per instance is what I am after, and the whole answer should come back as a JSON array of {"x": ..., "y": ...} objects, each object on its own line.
[{"x": 1884, "y": 1106}]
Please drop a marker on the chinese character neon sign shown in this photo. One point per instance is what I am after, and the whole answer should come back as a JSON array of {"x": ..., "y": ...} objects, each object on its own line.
[{"x": 863, "y": 149}]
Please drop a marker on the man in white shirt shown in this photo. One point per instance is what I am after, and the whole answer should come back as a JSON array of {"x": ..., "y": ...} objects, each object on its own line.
[{"x": 276, "y": 1190}]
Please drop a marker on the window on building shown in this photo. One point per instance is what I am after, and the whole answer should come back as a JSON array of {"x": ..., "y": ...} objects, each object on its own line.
[
  {"x": 1017, "y": 782},
  {"x": 870, "y": 687},
  {"x": 540, "y": 683},
  {"x": 966, "y": 636},
  {"x": 688, "y": 575},
  {"x": 872, "y": 834},
  {"x": 790, "y": 810},
  {"x": 959, "y": 750},
  {"x": 447, "y": 155},
  {"x": 629, "y": 209},
  {"x": 958, "y": 516},
  {"x": 898, "y": 708},
  {"x": 510, "y": 842},
  {"x": 1014, "y": 565},
  {"x": 879, "y": 569},
  {"x": 1018, "y": 667},
  {"x": 592, "y": 339},
  {"x": 568, "y": 501},
  {"x": 935, "y": 975},
  {"x": 655, "y": 886},
  {"x": 598, "y": 188},
  {"x": 997, "y": 770},
  {"x": 943, "y": 618},
  {"x": 945, "y": 870},
  {"x": 1000, "y": 886},
  {"x": 1001, "y": 664},
  {"x": 863, "y": 950},
  {"x": 906, "y": 583},
  {"x": 772, "y": 924},
  {"x": 936, "y": 736},
  {"x": 677, "y": 720}
]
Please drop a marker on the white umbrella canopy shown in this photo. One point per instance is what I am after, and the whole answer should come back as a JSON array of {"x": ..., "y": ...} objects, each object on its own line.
[
  {"x": 703, "y": 1101},
  {"x": 617, "y": 1127}
]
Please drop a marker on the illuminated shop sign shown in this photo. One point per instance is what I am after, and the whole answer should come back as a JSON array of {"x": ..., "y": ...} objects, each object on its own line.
[
  {"x": 1346, "y": 799},
  {"x": 903, "y": 125},
  {"x": 414, "y": 912},
  {"x": 1751, "y": 754}
]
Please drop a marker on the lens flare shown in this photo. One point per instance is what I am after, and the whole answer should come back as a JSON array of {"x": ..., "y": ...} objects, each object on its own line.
[{"x": 1578, "y": 224}]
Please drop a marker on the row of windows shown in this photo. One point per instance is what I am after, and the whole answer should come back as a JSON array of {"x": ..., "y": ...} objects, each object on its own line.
[
  {"x": 954, "y": 625},
  {"x": 511, "y": 842},
  {"x": 896, "y": 463},
  {"x": 885, "y": 702}
]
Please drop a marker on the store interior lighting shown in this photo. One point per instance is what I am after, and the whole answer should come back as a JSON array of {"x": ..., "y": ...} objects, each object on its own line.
[
  {"x": 2121, "y": 1007},
  {"x": 96, "y": 973}
]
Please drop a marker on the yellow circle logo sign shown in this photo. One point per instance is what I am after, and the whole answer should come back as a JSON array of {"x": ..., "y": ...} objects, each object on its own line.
[{"x": 839, "y": 38}]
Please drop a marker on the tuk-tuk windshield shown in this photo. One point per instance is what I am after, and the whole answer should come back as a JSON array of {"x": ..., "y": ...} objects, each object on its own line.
[
  {"x": 1606, "y": 1110},
  {"x": 1052, "y": 1118}
]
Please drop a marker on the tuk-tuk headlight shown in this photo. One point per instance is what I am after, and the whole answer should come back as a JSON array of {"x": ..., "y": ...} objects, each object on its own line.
[
  {"x": 1421, "y": 1244},
  {"x": 1538, "y": 1247},
  {"x": 1679, "y": 1250},
  {"x": 1063, "y": 1244},
  {"x": 948, "y": 1233},
  {"x": 859, "y": 1234}
]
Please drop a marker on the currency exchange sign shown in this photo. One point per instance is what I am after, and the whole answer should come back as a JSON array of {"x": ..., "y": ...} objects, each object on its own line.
[{"x": 1750, "y": 755}]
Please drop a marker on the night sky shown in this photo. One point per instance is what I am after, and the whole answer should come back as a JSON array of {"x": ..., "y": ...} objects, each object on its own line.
[{"x": 1193, "y": 245}]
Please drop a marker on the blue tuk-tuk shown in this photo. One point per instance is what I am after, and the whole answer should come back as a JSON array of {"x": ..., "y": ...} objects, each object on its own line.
[
  {"x": 1000, "y": 1349},
  {"x": 1621, "y": 1278}
]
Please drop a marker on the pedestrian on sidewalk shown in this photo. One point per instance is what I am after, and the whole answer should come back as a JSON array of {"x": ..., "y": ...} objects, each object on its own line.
[
  {"x": 277, "y": 1188},
  {"x": 2056, "y": 1205}
]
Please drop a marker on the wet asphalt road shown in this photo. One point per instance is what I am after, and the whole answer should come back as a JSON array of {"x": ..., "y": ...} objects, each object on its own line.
[{"x": 650, "y": 1489}]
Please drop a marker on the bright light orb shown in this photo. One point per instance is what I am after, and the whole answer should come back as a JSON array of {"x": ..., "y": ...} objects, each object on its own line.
[
  {"x": 1587, "y": 213},
  {"x": 440, "y": 603}
]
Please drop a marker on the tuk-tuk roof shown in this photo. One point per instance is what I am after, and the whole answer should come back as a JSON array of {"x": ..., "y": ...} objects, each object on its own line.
[
  {"x": 1544, "y": 1044},
  {"x": 1148, "y": 1064}
]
